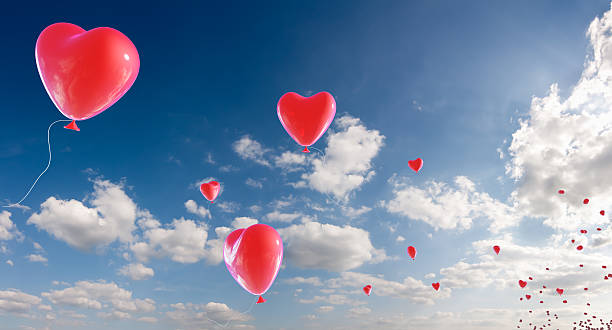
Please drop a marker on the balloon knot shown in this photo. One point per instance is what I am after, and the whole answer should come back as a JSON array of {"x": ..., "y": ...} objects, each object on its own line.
[
  {"x": 261, "y": 300},
  {"x": 73, "y": 126},
  {"x": 305, "y": 149}
]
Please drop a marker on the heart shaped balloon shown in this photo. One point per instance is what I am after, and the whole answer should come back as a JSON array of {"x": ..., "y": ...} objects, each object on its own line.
[
  {"x": 85, "y": 72},
  {"x": 416, "y": 164},
  {"x": 436, "y": 286},
  {"x": 367, "y": 289},
  {"x": 253, "y": 256},
  {"x": 412, "y": 252},
  {"x": 522, "y": 283},
  {"x": 306, "y": 118},
  {"x": 210, "y": 190},
  {"x": 496, "y": 248}
]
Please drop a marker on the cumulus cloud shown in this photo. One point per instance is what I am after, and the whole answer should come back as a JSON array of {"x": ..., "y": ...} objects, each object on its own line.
[
  {"x": 243, "y": 222},
  {"x": 193, "y": 207},
  {"x": 204, "y": 316},
  {"x": 567, "y": 143},
  {"x": 253, "y": 183},
  {"x": 112, "y": 301},
  {"x": 445, "y": 207},
  {"x": 290, "y": 161},
  {"x": 10, "y": 263},
  {"x": 8, "y": 230},
  {"x": 36, "y": 258},
  {"x": 250, "y": 149},
  {"x": 137, "y": 272},
  {"x": 316, "y": 281},
  {"x": 110, "y": 217},
  {"x": 412, "y": 289},
  {"x": 16, "y": 302},
  {"x": 277, "y": 216},
  {"x": 348, "y": 159},
  {"x": 182, "y": 241},
  {"x": 325, "y": 246}
]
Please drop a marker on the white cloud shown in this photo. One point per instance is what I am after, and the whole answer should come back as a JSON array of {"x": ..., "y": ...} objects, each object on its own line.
[
  {"x": 112, "y": 301},
  {"x": 10, "y": 263},
  {"x": 412, "y": 289},
  {"x": 334, "y": 299},
  {"x": 17, "y": 302},
  {"x": 253, "y": 183},
  {"x": 147, "y": 319},
  {"x": 290, "y": 161},
  {"x": 400, "y": 239},
  {"x": 250, "y": 149},
  {"x": 182, "y": 241},
  {"x": 444, "y": 207},
  {"x": 301, "y": 280},
  {"x": 577, "y": 156},
  {"x": 8, "y": 230},
  {"x": 193, "y": 207},
  {"x": 325, "y": 246},
  {"x": 37, "y": 246},
  {"x": 325, "y": 309},
  {"x": 137, "y": 272},
  {"x": 228, "y": 207},
  {"x": 277, "y": 216},
  {"x": 204, "y": 316},
  {"x": 430, "y": 276},
  {"x": 110, "y": 218},
  {"x": 36, "y": 258},
  {"x": 243, "y": 222},
  {"x": 354, "y": 213},
  {"x": 348, "y": 159}
]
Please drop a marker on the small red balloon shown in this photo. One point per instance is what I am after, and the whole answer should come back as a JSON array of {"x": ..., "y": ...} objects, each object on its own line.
[
  {"x": 602, "y": 212},
  {"x": 561, "y": 191},
  {"x": 522, "y": 283},
  {"x": 253, "y": 257},
  {"x": 496, "y": 248},
  {"x": 559, "y": 291},
  {"x": 585, "y": 201},
  {"x": 367, "y": 289},
  {"x": 528, "y": 296},
  {"x": 579, "y": 248},
  {"x": 306, "y": 118},
  {"x": 412, "y": 252},
  {"x": 436, "y": 286},
  {"x": 416, "y": 164},
  {"x": 210, "y": 190}
]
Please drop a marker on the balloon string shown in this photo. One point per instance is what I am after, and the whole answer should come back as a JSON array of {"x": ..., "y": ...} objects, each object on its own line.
[
  {"x": 230, "y": 320},
  {"x": 46, "y": 168}
]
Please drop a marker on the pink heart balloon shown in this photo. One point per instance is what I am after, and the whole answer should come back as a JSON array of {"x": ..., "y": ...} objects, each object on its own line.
[{"x": 253, "y": 256}]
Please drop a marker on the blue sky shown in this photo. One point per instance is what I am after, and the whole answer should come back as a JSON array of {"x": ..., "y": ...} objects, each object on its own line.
[{"x": 505, "y": 102}]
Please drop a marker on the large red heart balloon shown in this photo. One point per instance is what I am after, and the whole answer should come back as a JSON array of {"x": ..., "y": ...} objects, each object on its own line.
[
  {"x": 253, "y": 256},
  {"x": 436, "y": 286},
  {"x": 416, "y": 164},
  {"x": 85, "y": 72},
  {"x": 210, "y": 190},
  {"x": 306, "y": 118}
]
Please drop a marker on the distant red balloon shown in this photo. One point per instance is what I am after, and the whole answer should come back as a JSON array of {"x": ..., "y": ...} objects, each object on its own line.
[
  {"x": 579, "y": 248},
  {"x": 253, "y": 257},
  {"x": 522, "y": 283},
  {"x": 602, "y": 212},
  {"x": 496, "y": 248},
  {"x": 436, "y": 286},
  {"x": 559, "y": 291},
  {"x": 306, "y": 118},
  {"x": 416, "y": 164},
  {"x": 585, "y": 201},
  {"x": 528, "y": 296},
  {"x": 412, "y": 252},
  {"x": 367, "y": 289},
  {"x": 561, "y": 191},
  {"x": 210, "y": 190},
  {"x": 85, "y": 72}
]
